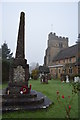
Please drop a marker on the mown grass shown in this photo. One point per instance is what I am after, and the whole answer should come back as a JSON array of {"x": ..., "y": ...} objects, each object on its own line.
[
  {"x": 55, "y": 110},
  {"x": 4, "y": 85},
  {"x": 0, "y": 86}
]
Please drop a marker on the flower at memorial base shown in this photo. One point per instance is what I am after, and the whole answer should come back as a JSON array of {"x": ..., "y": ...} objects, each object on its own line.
[
  {"x": 30, "y": 86},
  {"x": 24, "y": 90},
  {"x": 21, "y": 92}
]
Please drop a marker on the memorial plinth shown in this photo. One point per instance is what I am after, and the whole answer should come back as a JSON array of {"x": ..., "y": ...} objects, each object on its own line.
[{"x": 18, "y": 95}]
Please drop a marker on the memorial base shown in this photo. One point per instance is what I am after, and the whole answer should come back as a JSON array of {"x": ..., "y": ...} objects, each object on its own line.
[{"x": 31, "y": 101}]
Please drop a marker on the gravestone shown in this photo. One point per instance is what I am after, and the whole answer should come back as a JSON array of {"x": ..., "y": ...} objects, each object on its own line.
[
  {"x": 44, "y": 74},
  {"x": 19, "y": 95},
  {"x": 44, "y": 78},
  {"x": 67, "y": 79},
  {"x": 77, "y": 79}
]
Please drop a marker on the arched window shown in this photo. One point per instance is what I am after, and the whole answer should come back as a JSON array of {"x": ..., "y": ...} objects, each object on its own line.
[{"x": 70, "y": 70}]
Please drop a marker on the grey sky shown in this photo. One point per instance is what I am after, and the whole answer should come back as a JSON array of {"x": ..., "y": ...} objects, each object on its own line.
[
  {"x": 79, "y": 17},
  {"x": 39, "y": 17}
]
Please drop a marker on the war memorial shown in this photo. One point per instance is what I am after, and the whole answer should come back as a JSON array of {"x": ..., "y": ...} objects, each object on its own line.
[{"x": 19, "y": 95}]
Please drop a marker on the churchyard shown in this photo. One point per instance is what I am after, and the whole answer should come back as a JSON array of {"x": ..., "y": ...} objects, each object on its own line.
[
  {"x": 56, "y": 110},
  {"x": 41, "y": 98}
]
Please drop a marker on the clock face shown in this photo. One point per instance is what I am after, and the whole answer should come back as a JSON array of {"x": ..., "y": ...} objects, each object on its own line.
[{"x": 19, "y": 74}]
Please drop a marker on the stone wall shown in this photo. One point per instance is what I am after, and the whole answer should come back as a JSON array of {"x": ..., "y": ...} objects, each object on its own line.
[{"x": 67, "y": 64}]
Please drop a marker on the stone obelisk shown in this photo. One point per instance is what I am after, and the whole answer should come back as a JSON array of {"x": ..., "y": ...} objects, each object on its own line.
[
  {"x": 21, "y": 36},
  {"x": 19, "y": 73}
]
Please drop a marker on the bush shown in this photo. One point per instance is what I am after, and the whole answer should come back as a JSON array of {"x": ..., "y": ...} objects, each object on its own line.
[
  {"x": 5, "y": 70},
  {"x": 35, "y": 74}
]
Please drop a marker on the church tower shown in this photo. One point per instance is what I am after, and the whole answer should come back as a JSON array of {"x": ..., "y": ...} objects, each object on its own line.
[{"x": 55, "y": 44}]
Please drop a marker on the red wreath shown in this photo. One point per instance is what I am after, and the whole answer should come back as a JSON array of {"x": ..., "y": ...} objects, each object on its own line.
[
  {"x": 30, "y": 86},
  {"x": 24, "y": 89}
]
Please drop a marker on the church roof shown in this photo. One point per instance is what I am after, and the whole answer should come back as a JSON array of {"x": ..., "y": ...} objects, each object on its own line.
[{"x": 67, "y": 53}]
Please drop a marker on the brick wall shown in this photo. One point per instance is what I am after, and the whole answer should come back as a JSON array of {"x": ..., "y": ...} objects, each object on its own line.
[{"x": 68, "y": 63}]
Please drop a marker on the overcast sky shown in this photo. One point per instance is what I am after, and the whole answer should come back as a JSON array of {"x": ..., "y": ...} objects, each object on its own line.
[{"x": 38, "y": 20}]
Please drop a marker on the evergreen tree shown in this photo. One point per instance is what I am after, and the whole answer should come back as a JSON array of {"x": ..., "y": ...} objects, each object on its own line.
[
  {"x": 7, "y": 60},
  {"x": 6, "y": 52}
]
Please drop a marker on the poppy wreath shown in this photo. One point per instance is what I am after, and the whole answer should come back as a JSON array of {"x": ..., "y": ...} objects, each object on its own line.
[{"x": 24, "y": 89}]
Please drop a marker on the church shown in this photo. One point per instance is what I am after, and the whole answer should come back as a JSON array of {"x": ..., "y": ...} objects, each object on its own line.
[{"x": 60, "y": 58}]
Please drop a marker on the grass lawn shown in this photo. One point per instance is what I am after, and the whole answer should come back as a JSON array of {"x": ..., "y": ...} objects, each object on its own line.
[
  {"x": 4, "y": 85},
  {"x": 55, "y": 110},
  {"x": 0, "y": 86}
]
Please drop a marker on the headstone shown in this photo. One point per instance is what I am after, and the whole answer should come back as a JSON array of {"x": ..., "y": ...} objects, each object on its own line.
[
  {"x": 44, "y": 71},
  {"x": 44, "y": 78},
  {"x": 76, "y": 79},
  {"x": 79, "y": 79},
  {"x": 67, "y": 79}
]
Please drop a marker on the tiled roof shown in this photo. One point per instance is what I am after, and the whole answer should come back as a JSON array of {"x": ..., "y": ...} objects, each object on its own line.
[{"x": 67, "y": 53}]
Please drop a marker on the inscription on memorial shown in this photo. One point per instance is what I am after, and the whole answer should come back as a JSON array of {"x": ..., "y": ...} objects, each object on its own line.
[{"x": 19, "y": 74}]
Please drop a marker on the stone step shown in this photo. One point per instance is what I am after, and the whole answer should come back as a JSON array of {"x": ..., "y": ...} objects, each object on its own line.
[
  {"x": 45, "y": 104},
  {"x": 38, "y": 102},
  {"x": 24, "y": 101},
  {"x": 32, "y": 94}
]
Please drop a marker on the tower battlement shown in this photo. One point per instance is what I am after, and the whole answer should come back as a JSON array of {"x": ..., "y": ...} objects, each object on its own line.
[{"x": 53, "y": 36}]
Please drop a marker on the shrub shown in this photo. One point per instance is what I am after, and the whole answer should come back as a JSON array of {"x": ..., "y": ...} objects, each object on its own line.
[
  {"x": 5, "y": 70},
  {"x": 35, "y": 74}
]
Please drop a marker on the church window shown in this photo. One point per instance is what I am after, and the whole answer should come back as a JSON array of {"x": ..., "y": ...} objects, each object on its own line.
[
  {"x": 70, "y": 70},
  {"x": 60, "y": 45},
  {"x": 65, "y": 70}
]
